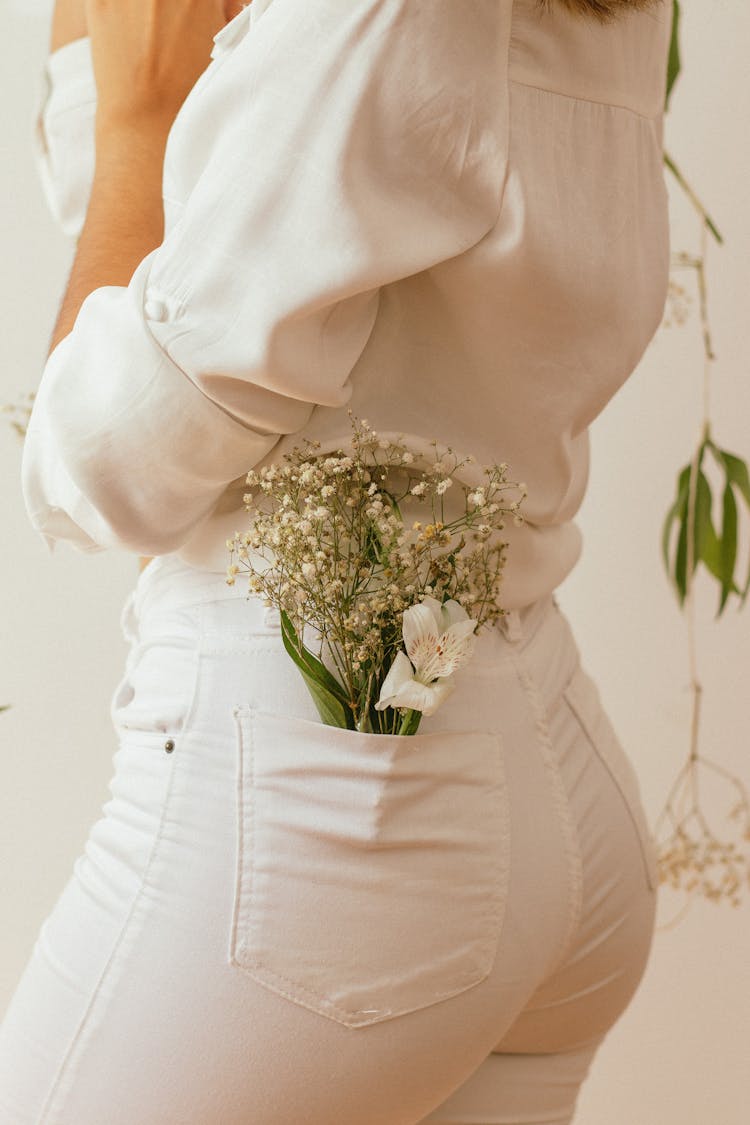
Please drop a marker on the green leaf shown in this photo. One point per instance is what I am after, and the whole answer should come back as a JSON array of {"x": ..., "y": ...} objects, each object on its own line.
[
  {"x": 327, "y": 693},
  {"x": 737, "y": 473},
  {"x": 728, "y": 547},
  {"x": 673, "y": 60},
  {"x": 680, "y": 566},
  {"x": 717, "y": 552},
  {"x": 298, "y": 650},
  {"x": 706, "y": 546},
  {"x": 679, "y": 506},
  {"x": 331, "y": 711}
]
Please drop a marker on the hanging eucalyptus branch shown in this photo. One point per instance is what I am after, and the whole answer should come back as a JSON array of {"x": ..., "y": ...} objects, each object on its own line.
[
  {"x": 692, "y": 856},
  {"x": 716, "y": 550}
]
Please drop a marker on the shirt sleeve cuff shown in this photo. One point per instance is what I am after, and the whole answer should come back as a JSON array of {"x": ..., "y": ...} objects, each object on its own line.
[
  {"x": 62, "y": 139},
  {"x": 122, "y": 448}
]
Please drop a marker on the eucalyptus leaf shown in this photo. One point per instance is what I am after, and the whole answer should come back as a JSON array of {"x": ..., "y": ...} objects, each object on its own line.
[
  {"x": 680, "y": 566},
  {"x": 737, "y": 473},
  {"x": 718, "y": 552},
  {"x": 728, "y": 546},
  {"x": 673, "y": 61},
  {"x": 706, "y": 547},
  {"x": 678, "y": 508}
]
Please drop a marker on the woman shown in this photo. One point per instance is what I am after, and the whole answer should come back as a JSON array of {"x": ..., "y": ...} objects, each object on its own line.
[{"x": 452, "y": 219}]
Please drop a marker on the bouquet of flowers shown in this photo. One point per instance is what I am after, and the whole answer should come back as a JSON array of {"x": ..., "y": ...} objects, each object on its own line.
[{"x": 395, "y": 608}]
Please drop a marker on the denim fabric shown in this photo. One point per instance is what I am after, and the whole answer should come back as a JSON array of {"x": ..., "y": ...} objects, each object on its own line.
[{"x": 274, "y": 921}]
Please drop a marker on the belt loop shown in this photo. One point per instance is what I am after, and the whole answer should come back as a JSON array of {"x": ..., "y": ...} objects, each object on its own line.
[{"x": 511, "y": 625}]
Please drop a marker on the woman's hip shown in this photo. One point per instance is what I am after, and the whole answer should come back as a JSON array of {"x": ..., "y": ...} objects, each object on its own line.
[
  {"x": 419, "y": 847},
  {"x": 268, "y": 890}
]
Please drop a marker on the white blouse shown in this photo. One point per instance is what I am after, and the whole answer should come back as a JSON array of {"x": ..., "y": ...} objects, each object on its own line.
[{"x": 450, "y": 217}]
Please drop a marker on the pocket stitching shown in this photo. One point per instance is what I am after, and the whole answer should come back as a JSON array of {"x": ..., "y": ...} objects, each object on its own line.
[
  {"x": 245, "y": 873},
  {"x": 571, "y": 696}
]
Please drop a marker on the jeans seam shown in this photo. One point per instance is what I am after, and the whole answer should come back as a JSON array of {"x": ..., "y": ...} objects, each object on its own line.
[
  {"x": 49, "y": 1103},
  {"x": 562, "y": 807}
]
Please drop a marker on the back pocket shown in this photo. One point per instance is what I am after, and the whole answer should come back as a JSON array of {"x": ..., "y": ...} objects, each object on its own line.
[
  {"x": 582, "y": 696},
  {"x": 372, "y": 870}
]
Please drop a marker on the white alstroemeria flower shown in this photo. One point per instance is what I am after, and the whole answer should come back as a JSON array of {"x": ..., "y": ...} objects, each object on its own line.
[{"x": 438, "y": 639}]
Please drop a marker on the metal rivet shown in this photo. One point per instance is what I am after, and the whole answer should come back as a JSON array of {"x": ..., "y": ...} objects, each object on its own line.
[{"x": 169, "y": 746}]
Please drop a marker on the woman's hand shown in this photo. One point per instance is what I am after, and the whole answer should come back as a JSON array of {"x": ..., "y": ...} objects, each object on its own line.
[{"x": 147, "y": 56}]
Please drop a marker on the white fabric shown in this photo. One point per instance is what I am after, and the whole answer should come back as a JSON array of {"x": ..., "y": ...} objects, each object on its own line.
[
  {"x": 278, "y": 922},
  {"x": 450, "y": 217}
]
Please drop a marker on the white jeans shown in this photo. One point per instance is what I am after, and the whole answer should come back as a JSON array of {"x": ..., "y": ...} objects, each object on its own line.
[{"x": 274, "y": 922}]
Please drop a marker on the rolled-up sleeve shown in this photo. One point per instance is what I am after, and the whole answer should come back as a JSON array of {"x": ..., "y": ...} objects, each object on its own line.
[
  {"x": 63, "y": 133},
  {"x": 362, "y": 141}
]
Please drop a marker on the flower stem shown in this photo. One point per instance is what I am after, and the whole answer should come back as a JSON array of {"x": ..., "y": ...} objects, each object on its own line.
[{"x": 410, "y": 722}]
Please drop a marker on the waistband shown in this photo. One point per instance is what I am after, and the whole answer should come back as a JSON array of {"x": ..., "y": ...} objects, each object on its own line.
[{"x": 168, "y": 583}]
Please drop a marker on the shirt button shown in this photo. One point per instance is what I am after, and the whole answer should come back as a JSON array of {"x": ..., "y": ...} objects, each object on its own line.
[{"x": 155, "y": 309}]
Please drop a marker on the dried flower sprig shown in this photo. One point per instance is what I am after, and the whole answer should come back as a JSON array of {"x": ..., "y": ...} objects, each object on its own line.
[
  {"x": 328, "y": 546},
  {"x": 20, "y": 412},
  {"x": 692, "y": 857}
]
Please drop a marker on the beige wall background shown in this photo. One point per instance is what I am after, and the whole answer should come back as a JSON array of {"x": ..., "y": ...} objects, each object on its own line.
[{"x": 679, "y": 1054}]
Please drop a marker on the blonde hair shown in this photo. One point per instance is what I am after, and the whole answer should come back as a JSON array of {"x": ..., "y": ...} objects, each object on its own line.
[{"x": 605, "y": 11}]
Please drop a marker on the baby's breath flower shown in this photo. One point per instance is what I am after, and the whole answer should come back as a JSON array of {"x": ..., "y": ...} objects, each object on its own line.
[{"x": 350, "y": 567}]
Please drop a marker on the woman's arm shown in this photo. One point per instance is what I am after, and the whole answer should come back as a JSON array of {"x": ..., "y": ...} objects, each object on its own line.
[
  {"x": 145, "y": 211},
  {"x": 353, "y": 143},
  {"x": 68, "y": 23},
  {"x": 146, "y": 59},
  {"x": 125, "y": 218}
]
